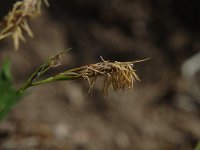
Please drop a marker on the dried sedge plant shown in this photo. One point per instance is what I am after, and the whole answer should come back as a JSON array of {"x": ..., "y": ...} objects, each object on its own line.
[
  {"x": 16, "y": 22},
  {"x": 118, "y": 75}
]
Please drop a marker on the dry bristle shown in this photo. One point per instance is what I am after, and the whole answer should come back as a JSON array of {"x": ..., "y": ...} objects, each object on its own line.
[{"x": 119, "y": 75}]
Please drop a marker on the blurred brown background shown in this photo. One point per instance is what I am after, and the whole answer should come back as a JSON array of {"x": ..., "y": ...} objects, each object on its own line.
[{"x": 160, "y": 113}]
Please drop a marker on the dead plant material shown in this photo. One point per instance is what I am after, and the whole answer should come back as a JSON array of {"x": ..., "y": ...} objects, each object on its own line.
[
  {"x": 118, "y": 75},
  {"x": 16, "y": 22}
]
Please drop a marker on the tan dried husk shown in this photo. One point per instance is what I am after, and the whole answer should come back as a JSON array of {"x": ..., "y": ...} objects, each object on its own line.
[{"x": 16, "y": 22}]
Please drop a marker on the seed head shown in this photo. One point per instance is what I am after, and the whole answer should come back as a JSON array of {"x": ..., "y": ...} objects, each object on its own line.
[
  {"x": 118, "y": 75},
  {"x": 16, "y": 22}
]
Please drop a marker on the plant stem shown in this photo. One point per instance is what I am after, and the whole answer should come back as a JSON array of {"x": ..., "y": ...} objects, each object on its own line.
[
  {"x": 39, "y": 71},
  {"x": 11, "y": 102},
  {"x": 57, "y": 78},
  {"x": 32, "y": 80}
]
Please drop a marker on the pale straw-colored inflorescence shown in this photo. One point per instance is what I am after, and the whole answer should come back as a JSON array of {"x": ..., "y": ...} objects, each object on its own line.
[
  {"x": 16, "y": 21},
  {"x": 118, "y": 75}
]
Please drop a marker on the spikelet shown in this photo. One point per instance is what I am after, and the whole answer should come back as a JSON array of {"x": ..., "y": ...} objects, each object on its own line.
[
  {"x": 118, "y": 75},
  {"x": 16, "y": 22}
]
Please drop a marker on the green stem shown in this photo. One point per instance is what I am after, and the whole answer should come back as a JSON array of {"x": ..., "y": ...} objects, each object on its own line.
[
  {"x": 11, "y": 102},
  {"x": 41, "y": 70},
  {"x": 29, "y": 83},
  {"x": 52, "y": 62},
  {"x": 58, "y": 77}
]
